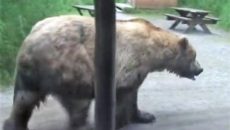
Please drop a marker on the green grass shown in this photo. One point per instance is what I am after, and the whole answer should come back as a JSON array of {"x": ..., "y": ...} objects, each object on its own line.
[
  {"x": 218, "y": 8},
  {"x": 17, "y": 18}
]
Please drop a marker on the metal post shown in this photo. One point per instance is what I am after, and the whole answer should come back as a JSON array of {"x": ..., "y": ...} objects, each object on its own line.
[{"x": 104, "y": 64}]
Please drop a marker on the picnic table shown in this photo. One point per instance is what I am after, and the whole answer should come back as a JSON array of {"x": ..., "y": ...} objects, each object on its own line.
[
  {"x": 191, "y": 17},
  {"x": 90, "y": 8},
  {"x": 81, "y": 8}
]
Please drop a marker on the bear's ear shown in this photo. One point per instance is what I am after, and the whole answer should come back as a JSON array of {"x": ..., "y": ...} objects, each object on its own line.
[{"x": 183, "y": 42}]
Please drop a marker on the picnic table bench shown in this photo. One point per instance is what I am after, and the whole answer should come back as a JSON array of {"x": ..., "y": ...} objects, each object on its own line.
[{"x": 191, "y": 17}]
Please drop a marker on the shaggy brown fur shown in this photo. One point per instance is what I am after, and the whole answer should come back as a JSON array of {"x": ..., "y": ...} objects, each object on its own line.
[{"x": 57, "y": 58}]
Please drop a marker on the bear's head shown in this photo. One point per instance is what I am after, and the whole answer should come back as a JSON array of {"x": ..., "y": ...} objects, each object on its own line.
[{"x": 183, "y": 62}]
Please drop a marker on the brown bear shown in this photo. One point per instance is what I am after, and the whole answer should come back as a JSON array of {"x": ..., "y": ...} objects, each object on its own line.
[{"x": 57, "y": 58}]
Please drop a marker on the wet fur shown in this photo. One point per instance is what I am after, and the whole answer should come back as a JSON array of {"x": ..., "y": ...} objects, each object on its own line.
[{"x": 57, "y": 58}]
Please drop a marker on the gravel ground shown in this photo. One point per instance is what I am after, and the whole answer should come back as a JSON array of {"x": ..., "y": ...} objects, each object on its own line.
[{"x": 178, "y": 104}]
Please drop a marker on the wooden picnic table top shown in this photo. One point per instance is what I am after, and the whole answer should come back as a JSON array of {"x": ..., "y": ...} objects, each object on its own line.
[
  {"x": 119, "y": 7},
  {"x": 190, "y": 10},
  {"x": 89, "y": 7},
  {"x": 123, "y": 6}
]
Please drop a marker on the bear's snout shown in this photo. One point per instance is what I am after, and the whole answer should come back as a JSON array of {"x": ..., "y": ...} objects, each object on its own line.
[
  {"x": 196, "y": 68},
  {"x": 199, "y": 71}
]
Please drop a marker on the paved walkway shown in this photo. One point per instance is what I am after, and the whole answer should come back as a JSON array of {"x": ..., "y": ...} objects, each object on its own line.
[{"x": 178, "y": 104}]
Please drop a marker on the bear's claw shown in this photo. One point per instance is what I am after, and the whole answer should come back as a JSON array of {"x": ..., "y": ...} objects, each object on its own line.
[{"x": 144, "y": 117}]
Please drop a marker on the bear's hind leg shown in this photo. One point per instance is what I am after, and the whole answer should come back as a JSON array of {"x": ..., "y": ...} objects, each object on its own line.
[
  {"x": 24, "y": 102},
  {"x": 77, "y": 110}
]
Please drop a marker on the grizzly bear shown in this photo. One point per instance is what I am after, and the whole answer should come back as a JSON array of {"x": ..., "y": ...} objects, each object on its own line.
[{"x": 57, "y": 58}]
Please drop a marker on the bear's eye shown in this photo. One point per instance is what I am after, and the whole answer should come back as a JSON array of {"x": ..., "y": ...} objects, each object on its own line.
[
  {"x": 191, "y": 55},
  {"x": 194, "y": 57}
]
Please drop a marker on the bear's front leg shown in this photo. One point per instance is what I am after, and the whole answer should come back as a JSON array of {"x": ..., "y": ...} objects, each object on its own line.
[
  {"x": 124, "y": 109},
  {"x": 138, "y": 115}
]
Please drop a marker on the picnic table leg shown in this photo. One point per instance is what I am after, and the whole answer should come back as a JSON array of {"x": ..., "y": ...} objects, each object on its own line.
[
  {"x": 79, "y": 11},
  {"x": 205, "y": 28},
  {"x": 175, "y": 24},
  {"x": 91, "y": 13},
  {"x": 191, "y": 26}
]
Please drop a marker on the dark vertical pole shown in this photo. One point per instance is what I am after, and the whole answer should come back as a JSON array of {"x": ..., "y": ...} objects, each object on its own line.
[{"x": 104, "y": 64}]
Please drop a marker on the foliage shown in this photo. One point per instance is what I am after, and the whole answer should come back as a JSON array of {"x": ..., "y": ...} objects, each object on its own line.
[{"x": 17, "y": 18}]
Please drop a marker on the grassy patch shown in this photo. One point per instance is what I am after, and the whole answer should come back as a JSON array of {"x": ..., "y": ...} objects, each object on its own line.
[{"x": 16, "y": 20}]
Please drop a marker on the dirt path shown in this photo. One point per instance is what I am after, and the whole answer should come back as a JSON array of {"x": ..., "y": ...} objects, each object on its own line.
[{"x": 178, "y": 104}]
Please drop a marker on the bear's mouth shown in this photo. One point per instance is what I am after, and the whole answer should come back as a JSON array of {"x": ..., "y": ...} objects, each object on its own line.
[
  {"x": 188, "y": 75},
  {"x": 192, "y": 77}
]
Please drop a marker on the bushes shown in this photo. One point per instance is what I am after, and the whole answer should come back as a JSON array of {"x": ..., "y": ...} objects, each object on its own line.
[
  {"x": 17, "y": 18},
  {"x": 219, "y": 8},
  {"x": 225, "y": 16}
]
